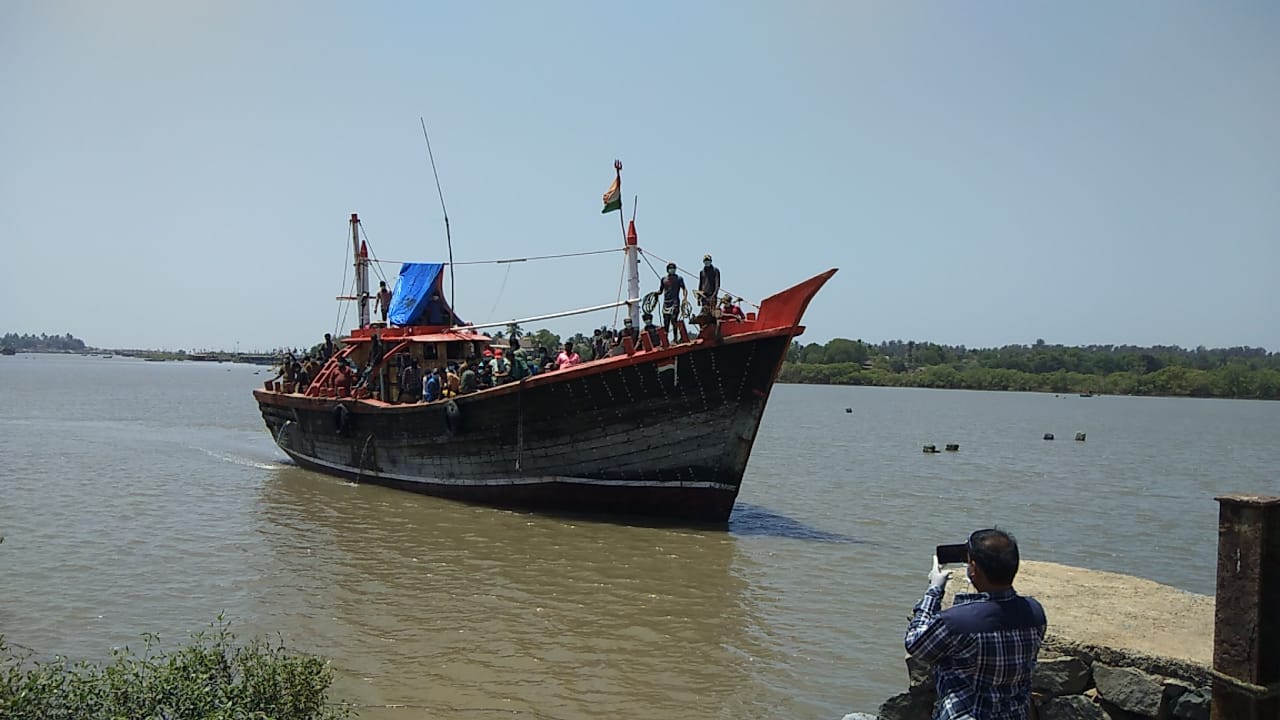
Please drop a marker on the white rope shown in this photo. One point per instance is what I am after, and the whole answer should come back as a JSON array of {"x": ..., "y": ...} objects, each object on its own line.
[
  {"x": 537, "y": 318},
  {"x": 505, "y": 261}
]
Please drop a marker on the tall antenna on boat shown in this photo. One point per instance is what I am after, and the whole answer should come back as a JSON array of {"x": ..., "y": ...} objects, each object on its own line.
[
  {"x": 448, "y": 238},
  {"x": 361, "y": 253}
]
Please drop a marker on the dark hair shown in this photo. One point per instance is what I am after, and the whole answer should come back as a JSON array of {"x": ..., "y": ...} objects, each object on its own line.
[{"x": 996, "y": 553}]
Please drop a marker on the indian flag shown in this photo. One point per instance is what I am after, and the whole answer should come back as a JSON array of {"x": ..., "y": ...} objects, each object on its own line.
[{"x": 613, "y": 198}]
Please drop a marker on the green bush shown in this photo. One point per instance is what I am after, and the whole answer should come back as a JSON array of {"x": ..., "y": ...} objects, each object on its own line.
[{"x": 210, "y": 678}]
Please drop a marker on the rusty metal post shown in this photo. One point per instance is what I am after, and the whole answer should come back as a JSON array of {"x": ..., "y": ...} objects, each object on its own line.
[{"x": 1246, "y": 624}]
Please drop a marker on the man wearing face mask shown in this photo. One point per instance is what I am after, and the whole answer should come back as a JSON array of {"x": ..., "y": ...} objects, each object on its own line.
[
  {"x": 708, "y": 286},
  {"x": 983, "y": 648},
  {"x": 674, "y": 295}
]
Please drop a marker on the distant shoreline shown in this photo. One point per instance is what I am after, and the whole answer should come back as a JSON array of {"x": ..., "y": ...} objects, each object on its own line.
[
  {"x": 1167, "y": 382},
  {"x": 168, "y": 356}
]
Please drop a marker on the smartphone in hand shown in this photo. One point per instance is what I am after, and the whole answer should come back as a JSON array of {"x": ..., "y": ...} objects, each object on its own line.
[{"x": 952, "y": 554}]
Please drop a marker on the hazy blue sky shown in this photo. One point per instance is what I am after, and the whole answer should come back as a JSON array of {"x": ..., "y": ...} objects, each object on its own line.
[{"x": 179, "y": 174}]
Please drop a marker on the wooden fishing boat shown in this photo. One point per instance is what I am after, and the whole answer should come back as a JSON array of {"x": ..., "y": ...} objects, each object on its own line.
[{"x": 661, "y": 429}]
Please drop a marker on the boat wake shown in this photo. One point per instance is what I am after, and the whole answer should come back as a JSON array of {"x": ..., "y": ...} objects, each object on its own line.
[{"x": 244, "y": 461}]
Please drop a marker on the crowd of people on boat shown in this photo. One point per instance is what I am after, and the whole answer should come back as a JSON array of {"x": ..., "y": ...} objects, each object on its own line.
[{"x": 494, "y": 366}]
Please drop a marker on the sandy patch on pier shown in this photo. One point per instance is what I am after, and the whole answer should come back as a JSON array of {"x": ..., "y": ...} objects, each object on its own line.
[{"x": 1094, "y": 609}]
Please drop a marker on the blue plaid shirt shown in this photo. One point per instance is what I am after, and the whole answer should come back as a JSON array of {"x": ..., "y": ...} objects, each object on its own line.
[{"x": 983, "y": 650}]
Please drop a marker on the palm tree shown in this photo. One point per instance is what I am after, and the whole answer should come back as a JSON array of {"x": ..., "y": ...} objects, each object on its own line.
[{"x": 514, "y": 331}]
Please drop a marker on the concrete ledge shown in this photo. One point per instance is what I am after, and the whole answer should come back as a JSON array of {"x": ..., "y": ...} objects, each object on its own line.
[{"x": 1117, "y": 619}]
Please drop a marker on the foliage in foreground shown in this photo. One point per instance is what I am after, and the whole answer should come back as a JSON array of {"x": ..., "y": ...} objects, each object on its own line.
[{"x": 210, "y": 677}]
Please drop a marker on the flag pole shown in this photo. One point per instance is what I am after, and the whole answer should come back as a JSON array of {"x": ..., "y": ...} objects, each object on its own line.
[
  {"x": 632, "y": 252},
  {"x": 622, "y": 223}
]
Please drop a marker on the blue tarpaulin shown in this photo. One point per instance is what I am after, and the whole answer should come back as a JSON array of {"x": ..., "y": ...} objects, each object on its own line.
[{"x": 416, "y": 299}]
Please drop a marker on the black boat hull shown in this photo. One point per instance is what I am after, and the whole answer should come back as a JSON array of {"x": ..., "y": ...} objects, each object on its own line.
[{"x": 665, "y": 433}]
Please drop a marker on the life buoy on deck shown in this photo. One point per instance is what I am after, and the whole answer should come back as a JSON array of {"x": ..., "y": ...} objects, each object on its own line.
[{"x": 452, "y": 417}]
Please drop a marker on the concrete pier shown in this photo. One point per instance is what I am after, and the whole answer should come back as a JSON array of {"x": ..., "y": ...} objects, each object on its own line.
[{"x": 1246, "y": 648}]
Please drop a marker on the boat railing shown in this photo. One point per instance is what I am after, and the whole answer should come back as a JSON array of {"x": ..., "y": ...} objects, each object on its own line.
[{"x": 324, "y": 381}]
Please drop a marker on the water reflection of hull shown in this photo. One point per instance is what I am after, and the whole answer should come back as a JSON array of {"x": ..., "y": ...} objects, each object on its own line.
[{"x": 461, "y": 607}]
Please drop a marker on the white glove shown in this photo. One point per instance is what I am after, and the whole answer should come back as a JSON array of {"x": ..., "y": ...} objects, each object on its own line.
[{"x": 937, "y": 576}]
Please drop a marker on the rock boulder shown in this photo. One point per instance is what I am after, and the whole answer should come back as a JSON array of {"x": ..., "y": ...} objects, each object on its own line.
[
  {"x": 1071, "y": 707},
  {"x": 1060, "y": 676},
  {"x": 1129, "y": 689}
]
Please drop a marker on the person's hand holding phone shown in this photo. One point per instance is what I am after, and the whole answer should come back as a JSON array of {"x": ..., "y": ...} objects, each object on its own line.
[{"x": 937, "y": 576}]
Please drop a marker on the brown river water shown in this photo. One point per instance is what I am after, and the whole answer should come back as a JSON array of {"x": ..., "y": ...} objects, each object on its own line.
[{"x": 147, "y": 497}]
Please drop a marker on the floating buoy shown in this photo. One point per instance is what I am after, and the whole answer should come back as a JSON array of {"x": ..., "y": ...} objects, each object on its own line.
[
  {"x": 1080, "y": 437},
  {"x": 930, "y": 449},
  {"x": 953, "y": 447},
  {"x": 848, "y": 410},
  {"x": 1048, "y": 436}
]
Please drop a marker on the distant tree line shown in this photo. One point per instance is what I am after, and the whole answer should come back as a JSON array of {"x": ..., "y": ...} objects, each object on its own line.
[
  {"x": 42, "y": 343},
  {"x": 1236, "y": 372}
]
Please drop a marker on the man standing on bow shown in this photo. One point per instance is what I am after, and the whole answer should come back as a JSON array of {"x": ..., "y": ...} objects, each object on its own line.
[
  {"x": 674, "y": 294},
  {"x": 983, "y": 648},
  {"x": 708, "y": 286}
]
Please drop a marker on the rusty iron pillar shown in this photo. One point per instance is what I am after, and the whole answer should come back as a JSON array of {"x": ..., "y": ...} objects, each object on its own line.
[{"x": 1246, "y": 623}]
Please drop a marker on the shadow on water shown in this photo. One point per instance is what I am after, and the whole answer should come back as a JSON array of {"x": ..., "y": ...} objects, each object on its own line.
[
  {"x": 747, "y": 520},
  {"x": 753, "y": 520}
]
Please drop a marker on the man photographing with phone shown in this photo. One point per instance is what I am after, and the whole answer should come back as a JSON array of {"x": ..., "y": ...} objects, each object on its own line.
[{"x": 984, "y": 647}]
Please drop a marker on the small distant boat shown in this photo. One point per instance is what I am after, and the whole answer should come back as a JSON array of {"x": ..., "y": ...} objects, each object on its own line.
[
  {"x": 6, "y": 350},
  {"x": 1086, "y": 394}
]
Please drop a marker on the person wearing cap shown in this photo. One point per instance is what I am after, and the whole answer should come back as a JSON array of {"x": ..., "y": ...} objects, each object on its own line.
[
  {"x": 674, "y": 294},
  {"x": 708, "y": 285},
  {"x": 383, "y": 302},
  {"x": 652, "y": 329},
  {"x": 629, "y": 330},
  {"x": 499, "y": 367},
  {"x": 731, "y": 309}
]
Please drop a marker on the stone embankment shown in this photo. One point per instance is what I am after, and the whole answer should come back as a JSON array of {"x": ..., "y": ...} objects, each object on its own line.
[{"x": 1117, "y": 648}]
